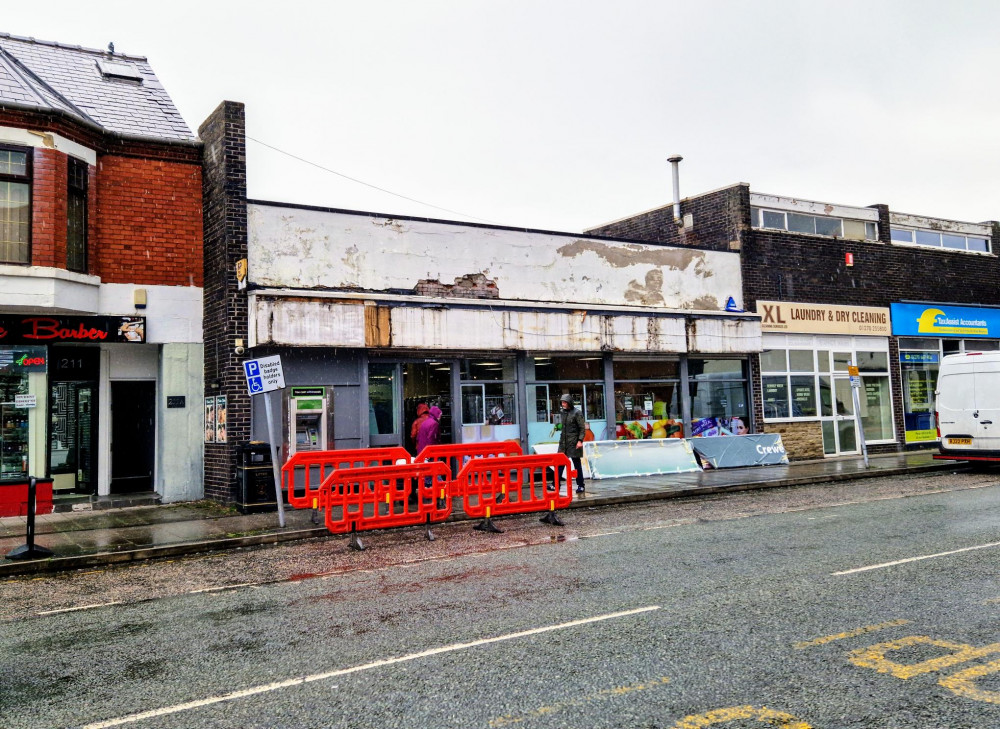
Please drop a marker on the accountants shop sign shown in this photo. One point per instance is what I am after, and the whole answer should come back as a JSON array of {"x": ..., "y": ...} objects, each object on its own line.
[
  {"x": 800, "y": 318},
  {"x": 35, "y": 329},
  {"x": 943, "y": 320}
]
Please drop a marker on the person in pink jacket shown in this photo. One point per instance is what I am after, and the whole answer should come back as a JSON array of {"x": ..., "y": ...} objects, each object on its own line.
[{"x": 430, "y": 429}]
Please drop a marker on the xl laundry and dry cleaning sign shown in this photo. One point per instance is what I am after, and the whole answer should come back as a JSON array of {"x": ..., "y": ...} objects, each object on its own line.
[{"x": 802, "y": 318}]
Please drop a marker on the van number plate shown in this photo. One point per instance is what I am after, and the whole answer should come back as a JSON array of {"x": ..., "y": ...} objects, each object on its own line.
[{"x": 960, "y": 441}]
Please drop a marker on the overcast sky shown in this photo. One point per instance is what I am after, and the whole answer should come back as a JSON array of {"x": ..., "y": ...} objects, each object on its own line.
[{"x": 561, "y": 115}]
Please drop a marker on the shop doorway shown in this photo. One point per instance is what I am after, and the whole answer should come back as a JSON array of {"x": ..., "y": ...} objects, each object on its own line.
[
  {"x": 73, "y": 419},
  {"x": 395, "y": 391},
  {"x": 840, "y": 433},
  {"x": 73, "y": 436},
  {"x": 133, "y": 434}
]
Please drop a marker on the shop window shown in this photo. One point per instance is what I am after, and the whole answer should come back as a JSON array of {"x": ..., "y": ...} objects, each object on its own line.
[
  {"x": 489, "y": 400},
  {"x": 491, "y": 403},
  {"x": 383, "y": 406},
  {"x": 76, "y": 216},
  {"x": 876, "y": 409},
  {"x": 774, "y": 360},
  {"x": 15, "y": 205},
  {"x": 718, "y": 397},
  {"x": 542, "y": 369},
  {"x": 647, "y": 399},
  {"x": 775, "y": 397}
]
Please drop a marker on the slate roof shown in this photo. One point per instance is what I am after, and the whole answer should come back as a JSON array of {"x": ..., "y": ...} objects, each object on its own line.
[{"x": 53, "y": 76}]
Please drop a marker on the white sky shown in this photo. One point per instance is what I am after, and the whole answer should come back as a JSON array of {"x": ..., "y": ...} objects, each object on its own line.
[{"x": 560, "y": 115}]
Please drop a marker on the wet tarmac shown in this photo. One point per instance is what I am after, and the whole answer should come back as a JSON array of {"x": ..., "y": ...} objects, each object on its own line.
[{"x": 84, "y": 538}]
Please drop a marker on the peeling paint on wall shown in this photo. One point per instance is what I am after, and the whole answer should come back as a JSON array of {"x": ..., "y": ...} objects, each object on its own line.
[
  {"x": 648, "y": 294},
  {"x": 622, "y": 255},
  {"x": 292, "y": 248}
]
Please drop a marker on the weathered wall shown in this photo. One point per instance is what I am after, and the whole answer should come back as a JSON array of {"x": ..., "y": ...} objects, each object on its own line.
[{"x": 308, "y": 248}]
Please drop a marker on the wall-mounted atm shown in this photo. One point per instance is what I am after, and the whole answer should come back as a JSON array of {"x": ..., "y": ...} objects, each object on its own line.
[{"x": 307, "y": 419}]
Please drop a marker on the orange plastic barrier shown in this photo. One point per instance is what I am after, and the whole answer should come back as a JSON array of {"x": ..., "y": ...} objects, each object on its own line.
[
  {"x": 356, "y": 499},
  {"x": 456, "y": 455},
  {"x": 514, "y": 485},
  {"x": 316, "y": 466}
]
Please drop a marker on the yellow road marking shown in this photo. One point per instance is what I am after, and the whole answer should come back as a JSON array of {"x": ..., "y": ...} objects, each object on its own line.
[
  {"x": 509, "y": 719},
  {"x": 963, "y": 683},
  {"x": 849, "y": 634},
  {"x": 874, "y": 656},
  {"x": 736, "y": 713}
]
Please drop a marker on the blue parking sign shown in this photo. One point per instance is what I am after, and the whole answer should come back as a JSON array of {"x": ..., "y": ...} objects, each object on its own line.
[{"x": 263, "y": 375}]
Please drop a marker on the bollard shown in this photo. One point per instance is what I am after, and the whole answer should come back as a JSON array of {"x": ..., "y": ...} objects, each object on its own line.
[{"x": 29, "y": 550}]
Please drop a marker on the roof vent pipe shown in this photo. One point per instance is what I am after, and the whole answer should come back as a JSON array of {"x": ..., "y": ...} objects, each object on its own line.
[{"x": 675, "y": 161}]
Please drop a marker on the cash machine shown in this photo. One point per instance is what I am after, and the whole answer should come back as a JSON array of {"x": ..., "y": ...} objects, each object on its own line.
[{"x": 308, "y": 416}]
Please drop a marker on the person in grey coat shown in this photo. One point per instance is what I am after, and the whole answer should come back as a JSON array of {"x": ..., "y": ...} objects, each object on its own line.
[{"x": 571, "y": 438}]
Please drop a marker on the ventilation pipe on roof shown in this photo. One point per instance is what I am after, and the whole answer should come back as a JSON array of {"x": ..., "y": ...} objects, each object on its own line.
[{"x": 675, "y": 161}]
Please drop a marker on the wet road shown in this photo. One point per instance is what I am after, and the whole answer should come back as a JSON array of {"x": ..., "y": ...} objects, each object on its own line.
[{"x": 843, "y": 606}]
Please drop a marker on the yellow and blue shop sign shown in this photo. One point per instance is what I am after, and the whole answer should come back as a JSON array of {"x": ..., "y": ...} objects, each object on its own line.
[{"x": 944, "y": 320}]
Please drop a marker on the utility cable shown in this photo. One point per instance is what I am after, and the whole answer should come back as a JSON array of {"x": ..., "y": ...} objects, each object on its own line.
[{"x": 368, "y": 184}]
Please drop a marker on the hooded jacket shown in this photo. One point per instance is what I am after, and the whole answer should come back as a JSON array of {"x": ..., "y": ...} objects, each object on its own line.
[
  {"x": 429, "y": 429},
  {"x": 422, "y": 411}
]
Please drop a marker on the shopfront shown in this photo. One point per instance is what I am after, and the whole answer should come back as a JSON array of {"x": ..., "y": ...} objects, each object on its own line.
[
  {"x": 927, "y": 332},
  {"x": 806, "y": 387},
  {"x": 516, "y": 397},
  {"x": 50, "y": 374}
]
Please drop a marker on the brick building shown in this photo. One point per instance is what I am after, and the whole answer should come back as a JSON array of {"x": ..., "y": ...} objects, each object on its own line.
[
  {"x": 100, "y": 275},
  {"x": 373, "y": 314},
  {"x": 889, "y": 292}
]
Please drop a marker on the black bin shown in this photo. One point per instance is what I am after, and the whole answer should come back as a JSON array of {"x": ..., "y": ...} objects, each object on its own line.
[{"x": 255, "y": 477}]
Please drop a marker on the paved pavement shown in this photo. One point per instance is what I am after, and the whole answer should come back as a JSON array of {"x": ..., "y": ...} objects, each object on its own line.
[{"x": 88, "y": 538}]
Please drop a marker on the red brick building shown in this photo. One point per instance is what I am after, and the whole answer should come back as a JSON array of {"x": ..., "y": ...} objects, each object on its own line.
[{"x": 101, "y": 358}]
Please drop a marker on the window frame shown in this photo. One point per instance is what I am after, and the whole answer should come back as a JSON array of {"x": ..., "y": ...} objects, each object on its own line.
[
  {"x": 27, "y": 180},
  {"x": 757, "y": 222},
  {"x": 79, "y": 192},
  {"x": 912, "y": 241}
]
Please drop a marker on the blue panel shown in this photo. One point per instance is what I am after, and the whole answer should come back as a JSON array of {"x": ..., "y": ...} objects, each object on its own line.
[{"x": 944, "y": 320}]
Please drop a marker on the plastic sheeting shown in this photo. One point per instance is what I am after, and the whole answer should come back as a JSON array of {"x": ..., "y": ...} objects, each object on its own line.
[
  {"x": 730, "y": 451},
  {"x": 618, "y": 458}
]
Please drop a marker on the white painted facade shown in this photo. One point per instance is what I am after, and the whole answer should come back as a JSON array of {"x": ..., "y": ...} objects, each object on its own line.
[{"x": 313, "y": 249}]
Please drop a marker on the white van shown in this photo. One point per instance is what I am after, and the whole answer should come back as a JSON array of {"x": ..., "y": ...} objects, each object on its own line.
[{"x": 968, "y": 405}]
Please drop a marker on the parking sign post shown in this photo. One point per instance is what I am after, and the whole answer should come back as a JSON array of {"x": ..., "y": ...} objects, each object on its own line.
[
  {"x": 263, "y": 376},
  {"x": 855, "y": 376}
]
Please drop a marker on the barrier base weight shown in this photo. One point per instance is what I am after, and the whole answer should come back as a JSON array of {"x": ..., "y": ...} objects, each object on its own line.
[
  {"x": 355, "y": 543},
  {"x": 29, "y": 551},
  {"x": 551, "y": 518},
  {"x": 487, "y": 525},
  {"x": 430, "y": 535}
]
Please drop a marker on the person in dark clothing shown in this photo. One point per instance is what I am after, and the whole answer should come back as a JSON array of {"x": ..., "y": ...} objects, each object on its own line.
[{"x": 574, "y": 428}]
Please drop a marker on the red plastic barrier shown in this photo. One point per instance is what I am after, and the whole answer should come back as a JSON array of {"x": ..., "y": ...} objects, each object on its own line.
[
  {"x": 380, "y": 497},
  {"x": 456, "y": 455},
  {"x": 309, "y": 463},
  {"x": 514, "y": 485}
]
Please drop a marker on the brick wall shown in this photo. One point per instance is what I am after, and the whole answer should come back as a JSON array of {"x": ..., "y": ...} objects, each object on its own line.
[
  {"x": 801, "y": 440},
  {"x": 225, "y": 226},
  {"x": 48, "y": 203},
  {"x": 148, "y": 221},
  {"x": 785, "y": 267},
  {"x": 718, "y": 220}
]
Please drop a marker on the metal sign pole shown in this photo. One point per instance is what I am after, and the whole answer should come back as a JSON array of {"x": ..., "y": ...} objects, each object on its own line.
[
  {"x": 274, "y": 459},
  {"x": 855, "y": 386},
  {"x": 265, "y": 375}
]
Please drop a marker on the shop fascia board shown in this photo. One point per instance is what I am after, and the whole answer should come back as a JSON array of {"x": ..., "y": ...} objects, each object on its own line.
[
  {"x": 457, "y": 303},
  {"x": 343, "y": 321}
]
